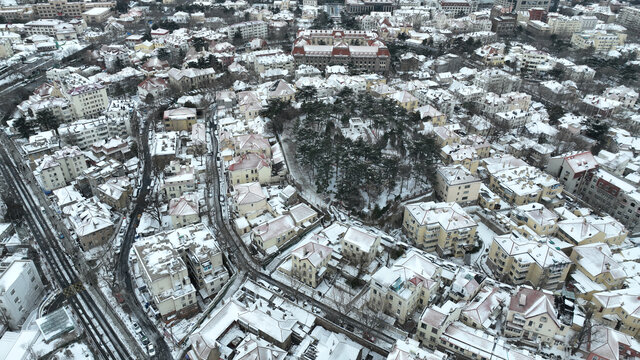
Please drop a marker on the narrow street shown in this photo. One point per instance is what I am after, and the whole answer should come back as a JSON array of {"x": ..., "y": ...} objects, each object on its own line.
[{"x": 122, "y": 270}]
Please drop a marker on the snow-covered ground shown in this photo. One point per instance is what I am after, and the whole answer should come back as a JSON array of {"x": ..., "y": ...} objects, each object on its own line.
[
  {"x": 10, "y": 79},
  {"x": 77, "y": 350}
]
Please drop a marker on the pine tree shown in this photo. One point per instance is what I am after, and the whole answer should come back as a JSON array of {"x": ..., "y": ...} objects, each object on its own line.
[
  {"x": 23, "y": 128},
  {"x": 47, "y": 120}
]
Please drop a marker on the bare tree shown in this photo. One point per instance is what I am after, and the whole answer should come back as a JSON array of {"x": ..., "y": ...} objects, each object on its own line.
[
  {"x": 341, "y": 300},
  {"x": 199, "y": 150},
  {"x": 586, "y": 333}
]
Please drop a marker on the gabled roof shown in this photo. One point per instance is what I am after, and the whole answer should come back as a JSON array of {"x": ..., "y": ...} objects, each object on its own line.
[
  {"x": 249, "y": 193},
  {"x": 530, "y": 303},
  {"x": 249, "y": 161},
  {"x": 185, "y": 205},
  {"x": 597, "y": 259},
  {"x": 313, "y": 252},
  {"x": 610, "y": 344}
]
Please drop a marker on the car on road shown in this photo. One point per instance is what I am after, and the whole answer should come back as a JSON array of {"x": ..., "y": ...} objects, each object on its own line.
[
  {"x": 120, "y": 300},
  {"x": 151, "y": 350},
  {"x": 221, "y": 198}
]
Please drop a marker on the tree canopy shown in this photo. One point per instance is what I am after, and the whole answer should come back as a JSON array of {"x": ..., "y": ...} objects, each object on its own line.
[{"x": 358, "y": 169}]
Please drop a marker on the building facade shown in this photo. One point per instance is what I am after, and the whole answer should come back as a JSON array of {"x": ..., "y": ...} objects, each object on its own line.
[{"x": 359, "y": 50}]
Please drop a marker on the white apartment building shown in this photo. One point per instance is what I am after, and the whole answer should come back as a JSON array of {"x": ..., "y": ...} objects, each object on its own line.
[
  {"x": 629, "y": 17},
  {"x": 120, "y": 112},
  {"x": 497, "y": 81},
  {"x": 167, "y": 278},
  {"x": 169, "y": 260},
  {"x": 589, "y": 22},
  {"x": 601, "y": 41},
  {"x": 181, "y": 182},
  {"x": 272, "y": 62},
  {"x": 523, "y": 5},
  {"x": 248, "y": 29},
  {"x": 571, "y": 168},
  {"x": 562, "y": 25},
  {"x": 89, "y": 100},
  {"x": 533, "y": 59},
  {"x": 49, "y": 27},
  {"x": 85, "y": 132},
  {"x": 56, "y": 170},
  {"x": 457, "y": 7},
  {"x": 20, "y": 291}
]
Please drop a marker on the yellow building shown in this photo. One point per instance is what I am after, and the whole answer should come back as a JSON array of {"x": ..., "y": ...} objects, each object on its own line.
[
  {"x": 406, "y": 286},
  {"x": 359, "y": 245},
  {"x": 596, "y": 262},
  {"x": 486, "y": 305},
  {"x": 524, "y": 184},
  {"x": 405, "y": 99},
  {"x": 600, "y": 41},
  {"x": 533, "y": 317},
  {"x": 446, "y": 135},
  {"x": 537, "y": 217},
  {"x": 274, "y": 233},
  {"x": 282, "y": 90},
  {"x": 592, "y": 229},
  {"x": 180, "y": 183},
  {"x": 619, "y": 308},
  {"x": 442, "y": 227},
  {"x": 251, "y": 143},
  {"x": 184, "y": 210},
  {"x": 146, "y": 47},
  {"x": 488, "y": 199},
  {"x": 457, "y": 154},
  {"x": 250, "y": 168},
  {"x": 456, "y": 184},
  {"x": 250, "y": 200},
  {"x": 491, "y": 55},
  {"x": 309, "y": 263},
  {"x": 431, "y": 115},
  {"x": 517, "y": 260},
  {"x": 180, "y": 119}
]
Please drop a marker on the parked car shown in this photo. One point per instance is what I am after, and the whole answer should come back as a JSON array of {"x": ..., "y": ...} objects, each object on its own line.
[
  {"x": 145, "y": 340},
  {"x": 151, "y": 350},
  {"x": 120, "y": 300},
  {"x": 137, "y": 328}
]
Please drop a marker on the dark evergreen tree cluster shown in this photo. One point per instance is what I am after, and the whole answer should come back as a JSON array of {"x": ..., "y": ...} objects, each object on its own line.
[{"x": 362, "y": 168}]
